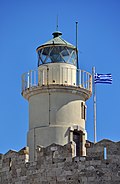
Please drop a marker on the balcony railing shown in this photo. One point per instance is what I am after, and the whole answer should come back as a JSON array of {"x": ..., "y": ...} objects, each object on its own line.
[{"x": 53, "y": 76}]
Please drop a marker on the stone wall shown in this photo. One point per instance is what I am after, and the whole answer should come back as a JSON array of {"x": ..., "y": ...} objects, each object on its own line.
[{"x": 55, "y": 164}]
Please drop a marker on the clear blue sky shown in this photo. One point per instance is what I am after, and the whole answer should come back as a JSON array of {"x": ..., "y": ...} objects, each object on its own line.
[{"x": 26, "y": 24}]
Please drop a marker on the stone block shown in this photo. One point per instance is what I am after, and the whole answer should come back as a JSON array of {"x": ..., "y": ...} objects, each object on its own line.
[
  {"x": 76, "y": 159},
  {"x": 61, "y": 178},
  {"x": 95, "y": 162},
  {"x": 116, "y": 178},
  {"x": 90, "y": 168},
  {"x": 59, "y": 171},
  {"x": 5, "y": 169},
  {"x": 82, "y": 159},
  {"x": 18, "y": 172},
  {"x": 0, "y": 165},
  {"x": 107, "y": 178},
  {"x": 44, "y": 182},
  {"x": 81, "y": 166},
  {"x": 68, "y": 159},
  {"x": 67, "y": 173},
  {"x": 84, "y": 179},
  {"x": 18, "y": 182},
  {"x": 91, "y": 179},
  {"x": 52, "y": 182},
  {"x": 51, "y": 173},
  {"x": 51, "y": 178},
  {"x": 61, "y": 164}
]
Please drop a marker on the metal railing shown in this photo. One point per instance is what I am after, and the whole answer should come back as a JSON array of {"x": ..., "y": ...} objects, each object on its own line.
[{"x": 65, "y": 76}]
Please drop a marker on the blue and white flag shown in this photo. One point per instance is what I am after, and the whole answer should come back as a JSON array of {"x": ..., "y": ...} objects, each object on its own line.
[{"x": 103, "y": 78}]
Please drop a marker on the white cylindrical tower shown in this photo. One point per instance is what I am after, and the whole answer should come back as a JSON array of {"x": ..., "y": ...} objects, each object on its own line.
[{"x": 56, "y": 91}]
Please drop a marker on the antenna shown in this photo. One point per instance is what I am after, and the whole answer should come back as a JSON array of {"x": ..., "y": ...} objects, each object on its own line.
[
  {"x": 76, "y": 35},
  {"x": 57, "y": 24},
  {"x": 77, "y": 43}
]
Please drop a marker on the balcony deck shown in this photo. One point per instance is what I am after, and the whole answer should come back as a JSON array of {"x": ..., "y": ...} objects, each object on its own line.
[{"x": 67, "y": 78}]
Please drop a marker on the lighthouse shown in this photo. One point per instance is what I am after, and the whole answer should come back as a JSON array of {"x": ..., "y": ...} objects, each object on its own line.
[{"x": 57, "y": 92}]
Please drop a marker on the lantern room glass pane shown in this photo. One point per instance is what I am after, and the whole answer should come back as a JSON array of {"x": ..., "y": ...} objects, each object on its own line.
[{"x": 57, "y": 54}]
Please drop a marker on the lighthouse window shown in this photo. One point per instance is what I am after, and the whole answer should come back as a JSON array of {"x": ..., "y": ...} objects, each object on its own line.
[
  {"x": 55, "y": 54},
  {"x": 83, "y": 111}
]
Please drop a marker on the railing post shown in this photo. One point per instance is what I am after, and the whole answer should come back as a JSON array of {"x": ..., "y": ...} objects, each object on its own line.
[
  {"x": 82, "y": 78},
  {"x": 90, "y": 82},
  {"x": 71, "y": 75},
  {"x": 62, "y": 75},
  {"x": 28, "y": 80},
  {"x": 67, "y": 76},
  {"x": 34, "y": 77},
  {"x": 30, "y": 84},
  {"x": 86, "y": 83},
  {"x": 43, "y": 80},
  {"x": 77, "y": 82}
]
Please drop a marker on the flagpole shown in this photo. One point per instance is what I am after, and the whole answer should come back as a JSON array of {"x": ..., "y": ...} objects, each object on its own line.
[{"x": 94, "y": 104}]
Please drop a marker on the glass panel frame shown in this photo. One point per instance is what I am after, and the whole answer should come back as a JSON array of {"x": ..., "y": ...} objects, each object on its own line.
[{"x": 59, "y": 53}]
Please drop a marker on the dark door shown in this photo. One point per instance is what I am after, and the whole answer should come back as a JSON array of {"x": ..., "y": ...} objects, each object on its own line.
[{"x": 77, "y": 138}]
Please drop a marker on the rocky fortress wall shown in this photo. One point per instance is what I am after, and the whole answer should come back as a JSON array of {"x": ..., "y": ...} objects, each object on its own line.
[{"x": 57, "y": 164}]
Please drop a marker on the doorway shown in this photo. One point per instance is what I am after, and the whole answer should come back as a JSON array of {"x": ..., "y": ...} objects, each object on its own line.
[{"x": 78, "y": 139}]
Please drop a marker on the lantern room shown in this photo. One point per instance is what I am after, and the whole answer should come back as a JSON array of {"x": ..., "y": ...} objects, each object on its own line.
[{"x": 57, "y": 50}]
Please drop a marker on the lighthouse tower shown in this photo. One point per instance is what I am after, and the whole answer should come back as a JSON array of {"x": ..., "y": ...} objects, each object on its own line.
[{"x": 57, "y": 91}]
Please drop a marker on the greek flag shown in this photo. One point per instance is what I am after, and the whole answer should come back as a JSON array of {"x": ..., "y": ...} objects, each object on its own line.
[{"x": 103, "y": 78}]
